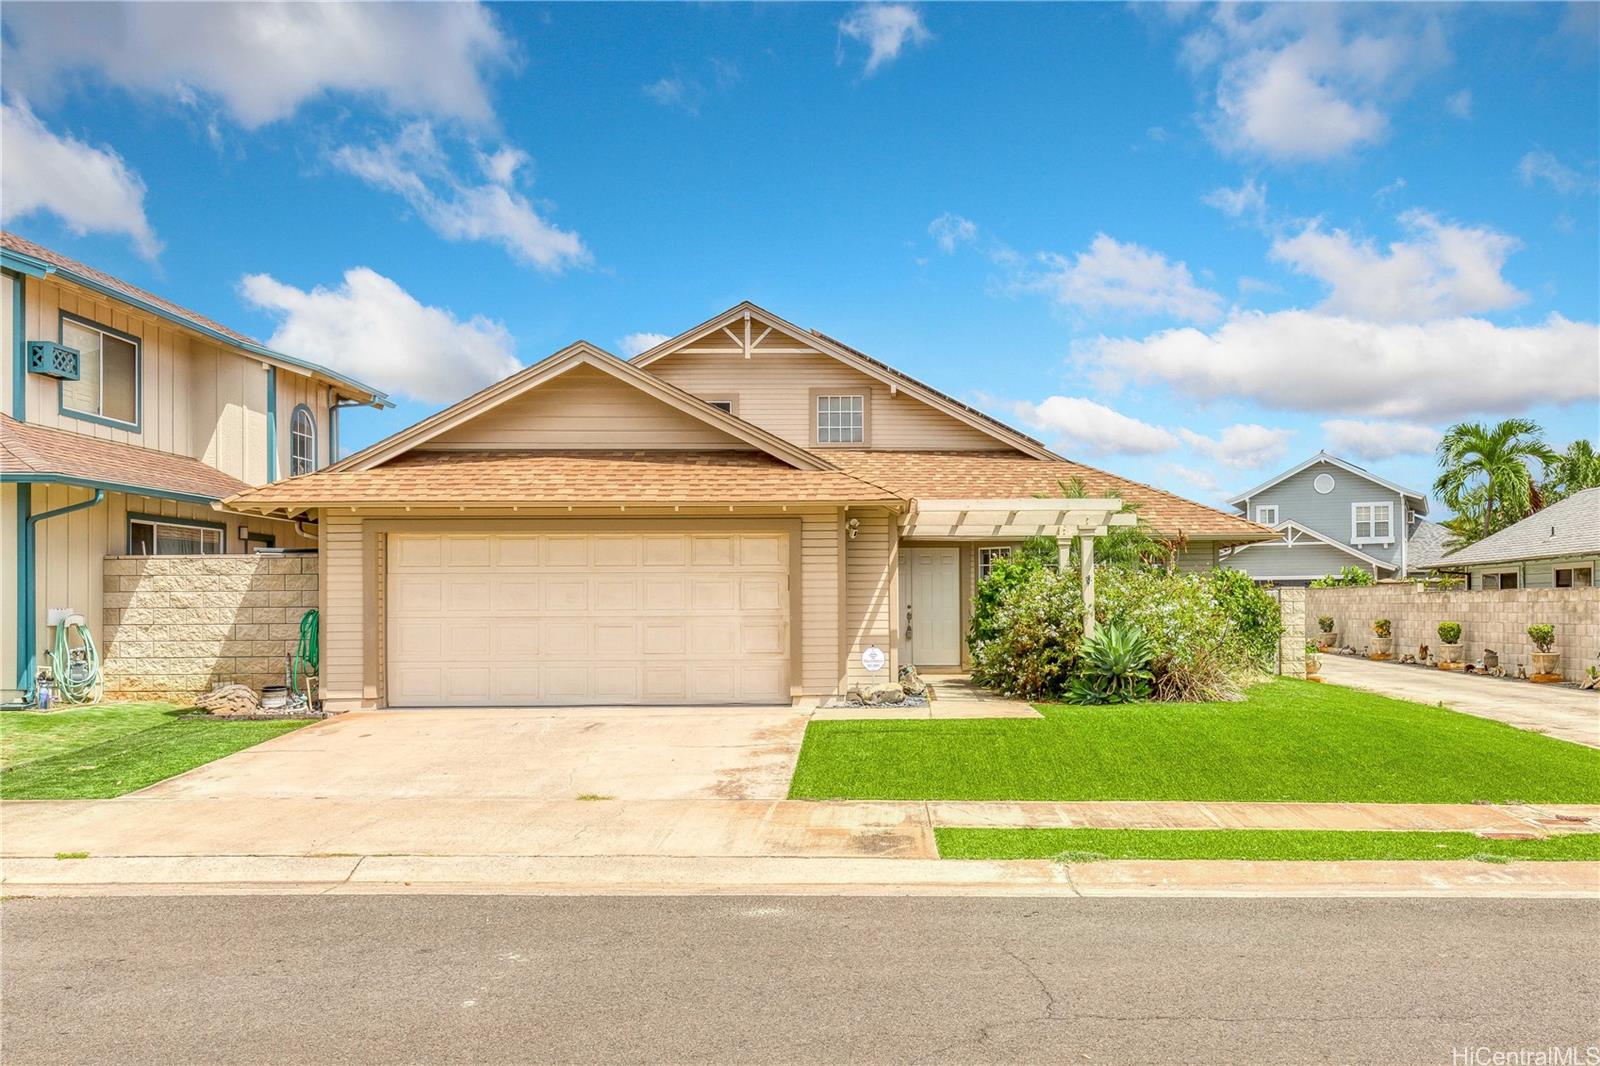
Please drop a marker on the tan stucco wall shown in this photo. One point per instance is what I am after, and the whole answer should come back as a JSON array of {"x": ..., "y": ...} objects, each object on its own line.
[
  {"x": 175, "y": 626},
  {"x": 1495, "y": 620}
]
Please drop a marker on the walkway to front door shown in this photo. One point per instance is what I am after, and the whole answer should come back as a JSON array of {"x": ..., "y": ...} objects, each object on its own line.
[{"x": 935, "y": 606}]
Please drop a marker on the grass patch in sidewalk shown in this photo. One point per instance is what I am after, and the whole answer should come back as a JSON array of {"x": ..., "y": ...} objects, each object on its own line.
[
  {"x": 1288, "y": 741},
  {"x": 1085, "y": 845},
  {"x": 132, "y": 760}
]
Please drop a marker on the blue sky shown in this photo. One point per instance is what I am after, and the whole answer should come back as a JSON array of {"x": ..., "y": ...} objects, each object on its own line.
[{"x": 1188, "y": 244}]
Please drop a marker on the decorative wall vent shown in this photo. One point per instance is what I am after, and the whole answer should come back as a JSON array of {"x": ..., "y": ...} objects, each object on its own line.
[{"x": 53, "y": 360}]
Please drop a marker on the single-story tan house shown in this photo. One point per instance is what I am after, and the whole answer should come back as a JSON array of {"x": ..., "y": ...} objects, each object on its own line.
[{"x": 750, "y": 512}]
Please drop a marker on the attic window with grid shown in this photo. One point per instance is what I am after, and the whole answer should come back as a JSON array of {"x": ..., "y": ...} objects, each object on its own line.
[{"x": 841, "y": 419}]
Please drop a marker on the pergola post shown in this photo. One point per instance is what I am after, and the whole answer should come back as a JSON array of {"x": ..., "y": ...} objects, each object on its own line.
[{"x": 1086, "y": 576}]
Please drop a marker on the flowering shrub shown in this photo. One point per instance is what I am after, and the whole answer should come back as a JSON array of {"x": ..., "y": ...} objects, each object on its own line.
[{"x": 1209, "y": 636}]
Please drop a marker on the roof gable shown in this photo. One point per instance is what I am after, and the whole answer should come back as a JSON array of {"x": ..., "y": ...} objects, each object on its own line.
[
  {"x": 445, "y": 429},
  {"x": 1568, "y": 527},
  {"x": 1294, "y": 532},
  {"x": 1333, "y": 460},
  {"x": 751, "y": 330}
]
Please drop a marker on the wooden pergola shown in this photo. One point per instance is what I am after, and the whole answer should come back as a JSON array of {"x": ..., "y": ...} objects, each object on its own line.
[{"x": 1017, "y": 519}]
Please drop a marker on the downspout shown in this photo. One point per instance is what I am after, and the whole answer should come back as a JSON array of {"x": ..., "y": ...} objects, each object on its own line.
[
  {"x": 27, "y": 610},
  {"x": 334, "y": 453},
  {"x": 272, "y": 423}
]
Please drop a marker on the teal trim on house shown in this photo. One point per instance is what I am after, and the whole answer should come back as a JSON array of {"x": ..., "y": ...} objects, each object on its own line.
[
  {"x": 27, "y": 581},
  {"x": 24, "y": 570},
  {"x": 168, "y": 520},
  {"x": 136, "y": 426},
  {"x": 19, "y": 345},
  {"x": 272, "y": 423},
  {"x": 38, "y": 268},
  {"x": 18, "y": 477}
]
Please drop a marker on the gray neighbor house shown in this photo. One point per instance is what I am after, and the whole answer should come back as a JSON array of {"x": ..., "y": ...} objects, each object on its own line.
[
  {"x": 1334, "y": 514},
  {"x": 1556, "y": 548}
]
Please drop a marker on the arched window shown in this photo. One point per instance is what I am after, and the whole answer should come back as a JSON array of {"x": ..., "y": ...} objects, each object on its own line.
[{"x": 302, "y": 441}]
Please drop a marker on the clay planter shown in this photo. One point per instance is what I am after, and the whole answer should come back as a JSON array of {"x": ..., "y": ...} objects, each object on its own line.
[
  {"x": 1449, "y": 656},
  {"x": 1546, "y": 666},
  {"x": 1327, "y": 640},
  {"x": 1382, "y": 648},
  {"x": 1313, "y": 668}
]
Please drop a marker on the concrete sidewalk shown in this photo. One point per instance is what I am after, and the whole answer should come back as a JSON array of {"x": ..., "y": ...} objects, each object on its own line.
[
  {"x": 613, "y": 875},
  {"x": 1564, "y": 713}
]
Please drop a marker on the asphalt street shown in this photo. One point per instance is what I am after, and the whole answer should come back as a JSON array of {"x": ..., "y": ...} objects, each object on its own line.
[{"x": 441, "y": 979}]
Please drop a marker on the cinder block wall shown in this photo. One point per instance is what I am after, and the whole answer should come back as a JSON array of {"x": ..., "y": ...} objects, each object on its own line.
[
  {"x": 176, "y": 626},
  {"x": 1495, "y": 620}
]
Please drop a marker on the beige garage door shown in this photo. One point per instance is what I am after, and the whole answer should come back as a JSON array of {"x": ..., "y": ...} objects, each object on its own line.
[{"x": 480, "y": 620}]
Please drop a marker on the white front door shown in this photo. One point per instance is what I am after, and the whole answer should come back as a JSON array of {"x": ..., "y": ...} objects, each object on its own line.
[{"x": 935, "y": 606}]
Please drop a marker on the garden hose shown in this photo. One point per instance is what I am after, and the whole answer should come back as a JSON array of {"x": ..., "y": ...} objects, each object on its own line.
[
  {"x": 76, "y": 671},
  {"x": 305, "y": 652}
]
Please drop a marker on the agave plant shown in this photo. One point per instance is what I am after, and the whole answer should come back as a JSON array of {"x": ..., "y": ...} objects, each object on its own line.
[{"x": 1113, "y": 666}]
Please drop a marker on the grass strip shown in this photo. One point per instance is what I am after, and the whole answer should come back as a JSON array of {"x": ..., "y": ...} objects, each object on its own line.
[
  {"x": 132, "y": 761},
  {"x": 1082, "y": 845},
  {"x": 1288, "y": 741}
]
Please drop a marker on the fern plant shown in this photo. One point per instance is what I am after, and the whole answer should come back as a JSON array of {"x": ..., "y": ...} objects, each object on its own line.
[{"x": 1113, "y": 667}]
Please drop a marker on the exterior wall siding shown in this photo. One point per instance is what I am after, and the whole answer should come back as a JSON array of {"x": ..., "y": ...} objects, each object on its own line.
[
  {"x": 1536, "y": 573},
  {"x": 1492, "y": 620},
  {"x": 869, "y": 598},
  {"x": 183, "y": 624},
  {"x": 774, "y": 392},
  {"x": 1329, "y": 514},
  {"x": 1293, "y": 563},
  {"x": 1196, "y": 558}
]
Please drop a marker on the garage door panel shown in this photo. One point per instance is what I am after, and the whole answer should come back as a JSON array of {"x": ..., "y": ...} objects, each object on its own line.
[{"x": 543, "y": 618}]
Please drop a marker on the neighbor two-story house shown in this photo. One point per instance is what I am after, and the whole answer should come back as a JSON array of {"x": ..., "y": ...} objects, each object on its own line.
[
  {"x": 123, "y": 419},
  {"x": 750, "y": 512},
  {"x": 1331, "y": 514}
]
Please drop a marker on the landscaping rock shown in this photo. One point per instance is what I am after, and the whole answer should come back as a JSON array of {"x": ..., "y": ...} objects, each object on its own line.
[
  {"x": 911, "y": 682},
  {"x": 887, "y": 696},
  {"x": 230, "y": 700}
]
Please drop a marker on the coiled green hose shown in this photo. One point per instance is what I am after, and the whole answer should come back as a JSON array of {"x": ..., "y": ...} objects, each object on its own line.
[
  {"x": 77, "y": 677},
  {"x": 305, "y": 652}
]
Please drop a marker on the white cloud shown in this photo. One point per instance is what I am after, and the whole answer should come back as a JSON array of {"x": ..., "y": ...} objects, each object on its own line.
[
  {"x": 1241, "y": 447},
  {"x": 1376, "y": 440},
  {"x": 1442, "y": 269},
  {"x": 885, "y": 29},
  {"x": 1196, "y": 477},
  {"x": 1248, "y": 199},
  {"x": 1294, "y": 82},
  {"x": 1540, "y": 165},
  {"x": 676, "y": 92},
  {"x": 261, "y": 62},
  {"x": 1125, "y": 277},
  {"x": 372, "y": 329},
  {"x": 415, "y": 166},
  {"x": 1309, "y": 361},
  {"x": 1084, "y": 423},
  {"x": 950, "y": 230},
  {"x": 634, "y": 343},
  {"x": 90, "y": 189},
  {"x": 1459, "y": 104}
]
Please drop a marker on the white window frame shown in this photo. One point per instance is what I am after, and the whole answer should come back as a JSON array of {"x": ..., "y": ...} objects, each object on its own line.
[
  {"x": 307, "y": 463},
  {"x": 1572, "y": 572},
  {"x": 1372, "y": 537},
  {"x": 1267, "y": 514},
  {"x": 830, "y": 434},
  {"x": 988, "y": 553},
  {"x": 206, "y": 532}
]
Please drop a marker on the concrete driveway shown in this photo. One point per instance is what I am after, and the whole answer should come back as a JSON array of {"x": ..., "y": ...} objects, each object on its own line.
[{"x": 677, "y": 753}]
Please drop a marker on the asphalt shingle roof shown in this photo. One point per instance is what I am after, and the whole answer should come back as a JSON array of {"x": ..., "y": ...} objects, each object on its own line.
[
  {"x": 1426, "y": 545},
  {"x": 1570, "y": 527},
  {"x": 29, "y": 449}
]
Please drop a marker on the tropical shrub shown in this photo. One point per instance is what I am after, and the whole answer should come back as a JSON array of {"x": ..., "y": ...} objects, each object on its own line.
[
  {"x": 1450, "y": 632},
  {"x": 1113, "y": 667},
  {"x": 1254, "y": 612},
  {"x": 1381, "y": 627},
  {"x": 1543, "y": 636},
  {"x": 1027, "y": 645},
  {"x": 1325, "y": 623},
  {"x": 1349, "y": 577}
]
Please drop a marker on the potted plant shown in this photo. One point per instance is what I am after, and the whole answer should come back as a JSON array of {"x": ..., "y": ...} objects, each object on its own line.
[
  {"x": 1327, "y": 638},
  {"x": 1449, "y": 645},
  {"x": 1545, "y": 661},
  {"x": 1313, "y": 661},
  {"x": 1382, "y": 639}
]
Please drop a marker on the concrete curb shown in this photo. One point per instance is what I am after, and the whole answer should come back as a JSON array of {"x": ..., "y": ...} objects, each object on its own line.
[{"x": 649, "y": 875}]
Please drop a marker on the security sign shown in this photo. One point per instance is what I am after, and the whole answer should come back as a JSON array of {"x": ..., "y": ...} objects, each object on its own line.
[{"x": 873, "y": 658}]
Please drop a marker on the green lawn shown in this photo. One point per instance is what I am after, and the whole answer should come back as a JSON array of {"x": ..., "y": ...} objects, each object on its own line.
[
  {"x": 98, "y": 752},
  {"x": 1083, "y": 845},
  {"x": 1291, "y": 740}
]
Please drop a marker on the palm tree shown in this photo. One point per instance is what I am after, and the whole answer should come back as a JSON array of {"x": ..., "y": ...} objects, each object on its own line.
[
  {"x": 1575, "y": 469},
  {"x": 1131, "y": 547},
  {"x": 1489, "y": 468}
]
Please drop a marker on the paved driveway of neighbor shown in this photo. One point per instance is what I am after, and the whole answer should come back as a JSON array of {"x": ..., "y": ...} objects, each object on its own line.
[{"x": 533, "y": 754}]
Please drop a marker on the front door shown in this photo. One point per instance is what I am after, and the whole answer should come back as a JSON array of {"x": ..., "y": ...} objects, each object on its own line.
[{"x": 935, "y": 606}]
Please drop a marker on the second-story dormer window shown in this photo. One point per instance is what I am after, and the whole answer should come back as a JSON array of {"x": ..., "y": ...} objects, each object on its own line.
[
  {"x": 1371, "y": 523},
  {"x": 841, "y": 419},
  {"x": 302, "y": 442}
]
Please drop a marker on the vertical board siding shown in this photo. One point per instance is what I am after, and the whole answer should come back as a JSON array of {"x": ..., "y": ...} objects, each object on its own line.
[
  {"x": 819, "y": 668},
  {"x": 868, "y": 607},
  {"x": 344, "y": 621}
]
